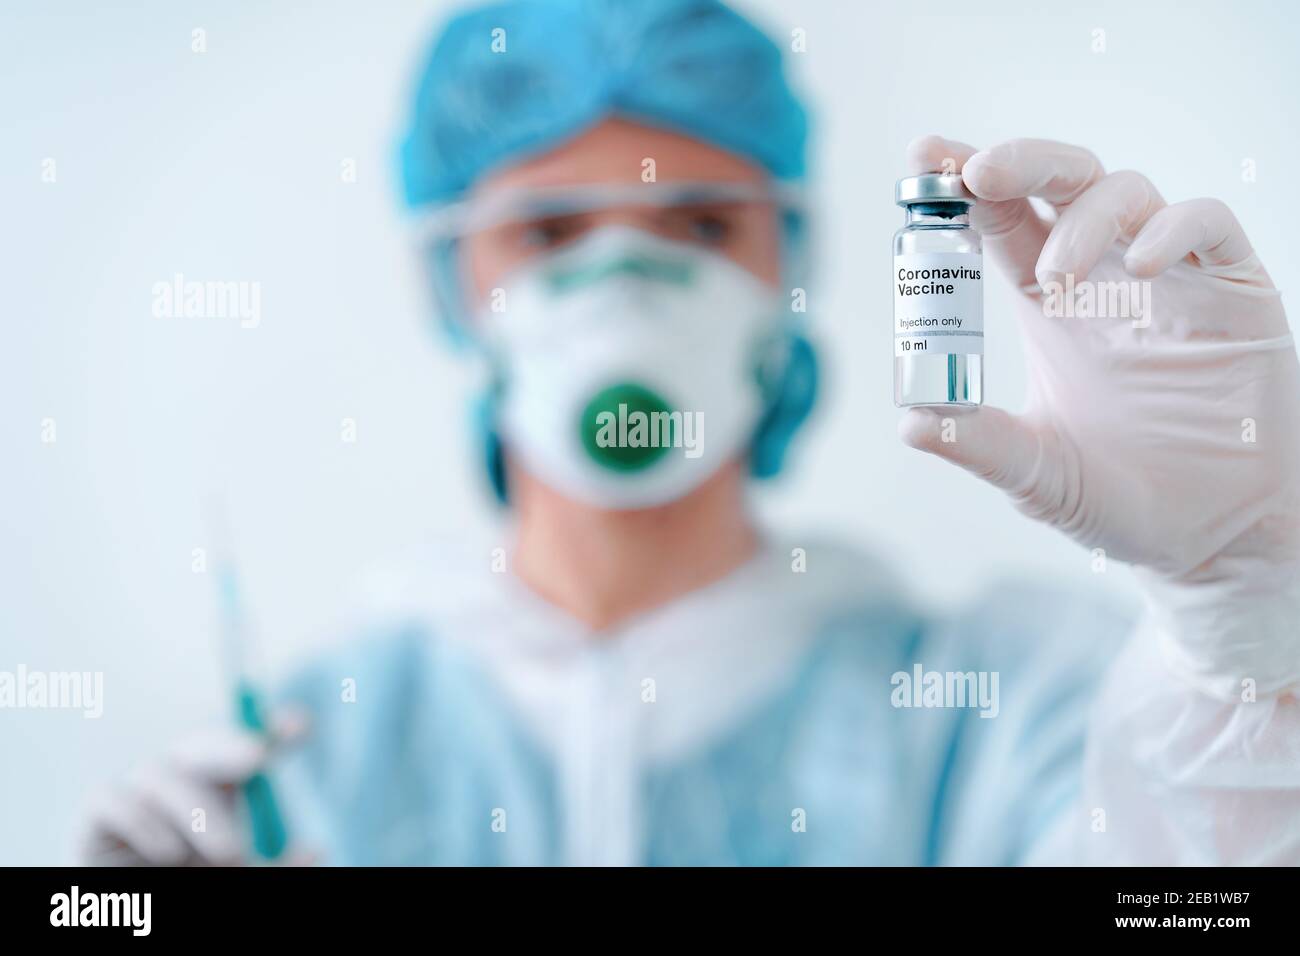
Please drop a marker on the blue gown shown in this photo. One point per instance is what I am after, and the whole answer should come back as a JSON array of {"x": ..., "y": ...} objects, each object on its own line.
[{"x": 771, "y": 718}]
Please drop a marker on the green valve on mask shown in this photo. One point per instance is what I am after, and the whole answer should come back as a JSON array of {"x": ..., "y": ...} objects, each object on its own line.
[{"x": 627, "y": 427}]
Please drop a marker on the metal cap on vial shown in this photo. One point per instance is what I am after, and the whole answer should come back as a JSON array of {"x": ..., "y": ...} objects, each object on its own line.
[{"x": 932, "y": 187}]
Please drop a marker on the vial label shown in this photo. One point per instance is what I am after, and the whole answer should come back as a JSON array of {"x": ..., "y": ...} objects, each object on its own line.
[{"x": 938, "y": 304}]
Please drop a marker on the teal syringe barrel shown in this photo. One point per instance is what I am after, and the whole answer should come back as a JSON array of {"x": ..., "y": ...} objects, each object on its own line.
[{"x": 269, "y": 835}]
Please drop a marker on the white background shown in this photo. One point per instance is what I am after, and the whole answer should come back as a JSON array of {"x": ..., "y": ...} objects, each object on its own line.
[{"x": 226, "y": 165}]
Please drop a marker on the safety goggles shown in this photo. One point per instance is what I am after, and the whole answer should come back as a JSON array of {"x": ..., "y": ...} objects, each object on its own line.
[
  {"x": 523, "y": 222},
  {"x": 512, "y": 206}
]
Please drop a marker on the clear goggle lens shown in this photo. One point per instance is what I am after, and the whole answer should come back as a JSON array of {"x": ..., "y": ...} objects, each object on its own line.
[
  {"x": 517, "y": 224},
  {"x": 554, "y": 207}
]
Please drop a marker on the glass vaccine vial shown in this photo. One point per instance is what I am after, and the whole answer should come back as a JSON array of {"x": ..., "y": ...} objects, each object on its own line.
[{"x": 938, "y": 295}]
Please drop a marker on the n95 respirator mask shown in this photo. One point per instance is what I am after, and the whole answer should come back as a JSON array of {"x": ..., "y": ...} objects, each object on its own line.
[{"x": 629, "y": 368}]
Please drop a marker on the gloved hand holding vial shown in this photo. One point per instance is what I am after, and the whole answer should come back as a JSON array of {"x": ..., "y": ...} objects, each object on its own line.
[{"x": 1161, "y": 427}]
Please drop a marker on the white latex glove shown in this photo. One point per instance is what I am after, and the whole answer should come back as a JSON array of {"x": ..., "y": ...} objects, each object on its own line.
[
  {"x": 150, "y": 820},
  {"x": 1132, "y": 439}
]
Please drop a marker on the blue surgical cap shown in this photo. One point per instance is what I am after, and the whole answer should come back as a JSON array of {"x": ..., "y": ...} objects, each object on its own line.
[{"x": 516, "y": 78}]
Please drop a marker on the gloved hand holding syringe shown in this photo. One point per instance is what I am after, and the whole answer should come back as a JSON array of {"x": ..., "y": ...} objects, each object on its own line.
[{"x": 210, "y": 801}]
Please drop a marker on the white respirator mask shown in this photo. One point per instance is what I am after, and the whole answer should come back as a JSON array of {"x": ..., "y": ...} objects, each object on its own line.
[{"x": 631, "y": 367}]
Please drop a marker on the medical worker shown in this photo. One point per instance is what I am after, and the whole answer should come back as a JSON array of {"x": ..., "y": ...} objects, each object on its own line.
[{"x": 610, "y": 199}]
